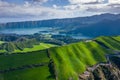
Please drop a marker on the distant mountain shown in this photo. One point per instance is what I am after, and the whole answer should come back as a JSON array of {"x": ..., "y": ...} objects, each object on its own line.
[
  {"x": 105, "y": 27},
  {"x": 67, "y": 22}
]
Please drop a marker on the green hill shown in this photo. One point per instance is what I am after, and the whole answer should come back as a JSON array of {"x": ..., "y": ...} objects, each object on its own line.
[
  {"x": 61, "y": 63},
  {"x": 41, "y": 46},
  {"x": 110, "y": 42},
  {"x": 73, "y": 59},
  {"x": 23, "y": 46}
]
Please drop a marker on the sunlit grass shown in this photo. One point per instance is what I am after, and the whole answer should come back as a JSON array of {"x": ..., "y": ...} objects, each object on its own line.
[
  {"x": 73, "y": 59},
  {"x": 1, "y": 42},
  {"x": 41, "y": 46}
]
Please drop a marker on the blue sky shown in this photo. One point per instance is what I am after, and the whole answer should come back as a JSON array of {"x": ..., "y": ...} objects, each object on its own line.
[{"x": 25, "y": 10}]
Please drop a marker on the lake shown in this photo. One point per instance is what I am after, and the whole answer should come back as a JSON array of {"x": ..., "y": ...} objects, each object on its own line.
[{"x": 42, "y": 30}]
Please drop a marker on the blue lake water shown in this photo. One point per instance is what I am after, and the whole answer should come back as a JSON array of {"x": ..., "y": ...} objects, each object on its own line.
[
  {"x": 22, "y": 31},
  {"x": 28, "y": 31}
]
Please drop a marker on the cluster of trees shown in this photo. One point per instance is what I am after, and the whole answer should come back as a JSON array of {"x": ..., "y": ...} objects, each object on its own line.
[
  {"x": 9, "y": 37},
  {"x": 19, "y": 42},
  {"x": 65, "y": 39},
  {"x": 19, "y": 45}
]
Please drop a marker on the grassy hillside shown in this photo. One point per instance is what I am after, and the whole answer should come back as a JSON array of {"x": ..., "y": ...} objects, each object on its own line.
[
  {"x": 63, "y": 63},
  {"x": 1, "y": 42},
  {"x": 110, "y": 42},
  {"x": 72, "y": 60},
  {"x": 41, "y": 46}
]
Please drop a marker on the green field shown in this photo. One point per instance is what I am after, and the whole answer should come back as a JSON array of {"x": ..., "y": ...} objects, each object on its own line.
[
  {"x": 39, "y": 73},
  {"x": 16, "y": 61},
  {"x": 67, "y": 61},
  {"x": 1, "y": 42},
  {"x": 41, "y": 46}
]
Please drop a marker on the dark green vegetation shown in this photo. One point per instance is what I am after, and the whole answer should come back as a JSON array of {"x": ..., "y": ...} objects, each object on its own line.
[
  {"x": 18, "y": 45},
  {"x": 26, "y": 43},
  {"x": 62, "y": 63},
  {"x": 116, "y": 60},
  {"x": 107, "y": 71}
]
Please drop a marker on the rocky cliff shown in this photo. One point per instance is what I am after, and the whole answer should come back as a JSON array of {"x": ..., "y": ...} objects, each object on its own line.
[{"x": 104, "y": 71}]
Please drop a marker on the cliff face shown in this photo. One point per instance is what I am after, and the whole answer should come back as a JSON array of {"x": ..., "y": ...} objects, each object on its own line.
[{"x": 103, "y": 71}]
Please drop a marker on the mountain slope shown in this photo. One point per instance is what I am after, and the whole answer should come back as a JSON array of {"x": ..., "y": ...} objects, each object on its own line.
[
  {"x": 68, "y": 22},
  {"x": 73, "y": 59},
  {"x": 105, "y": 27},
  {"x": 60, "y": 63}
]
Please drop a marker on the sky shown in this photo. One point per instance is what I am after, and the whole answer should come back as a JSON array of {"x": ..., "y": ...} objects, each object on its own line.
[{"x": 27, "y": 10}]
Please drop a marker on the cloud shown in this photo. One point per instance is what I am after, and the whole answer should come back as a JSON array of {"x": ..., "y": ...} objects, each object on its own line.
[
  {"x": 93, "y": 1},
  {"x": 28, "y": 10},
  {"x": 35, "y": 10},
  {"x": 40, "y": 0},
  {"x": 114, "y": 1},
  {"x": 37, "y": 1},
  {"x": 94, "y": 6},
  {"x": 83, "y": 1}
]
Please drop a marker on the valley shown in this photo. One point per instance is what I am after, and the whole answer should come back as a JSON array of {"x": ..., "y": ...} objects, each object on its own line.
[
  {"x": 81, "y": 48},
  {"x": 59, "y": 39}
]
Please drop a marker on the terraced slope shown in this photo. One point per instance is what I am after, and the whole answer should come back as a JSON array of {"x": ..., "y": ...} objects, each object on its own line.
[
  {"x": 73, "y": 59},
  {"x": 110, "y": 42},
  {"x": 61, "y": 63}
]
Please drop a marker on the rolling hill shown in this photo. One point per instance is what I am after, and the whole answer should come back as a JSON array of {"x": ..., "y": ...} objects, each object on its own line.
[
  {"x": 73, "y": 59},
  {"x": 60, "y": 63}
]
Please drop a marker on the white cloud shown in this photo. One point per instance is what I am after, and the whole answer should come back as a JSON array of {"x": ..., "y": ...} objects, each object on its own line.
[
  {"x": 94, "y": 6},
  {"x": 114, "y": 1},
  {"x": 81, "y": 1},
  {"x": 28, "y": 10},
  {"x": 55, "y": 6},
  {"x": 33, "y": 11},
  {"x": 41, "y": 1},
  {"x": 94, "y": 1}
]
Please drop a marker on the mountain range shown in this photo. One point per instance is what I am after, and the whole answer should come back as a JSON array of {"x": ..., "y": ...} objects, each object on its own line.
[{"x": 93, "y": 26}]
